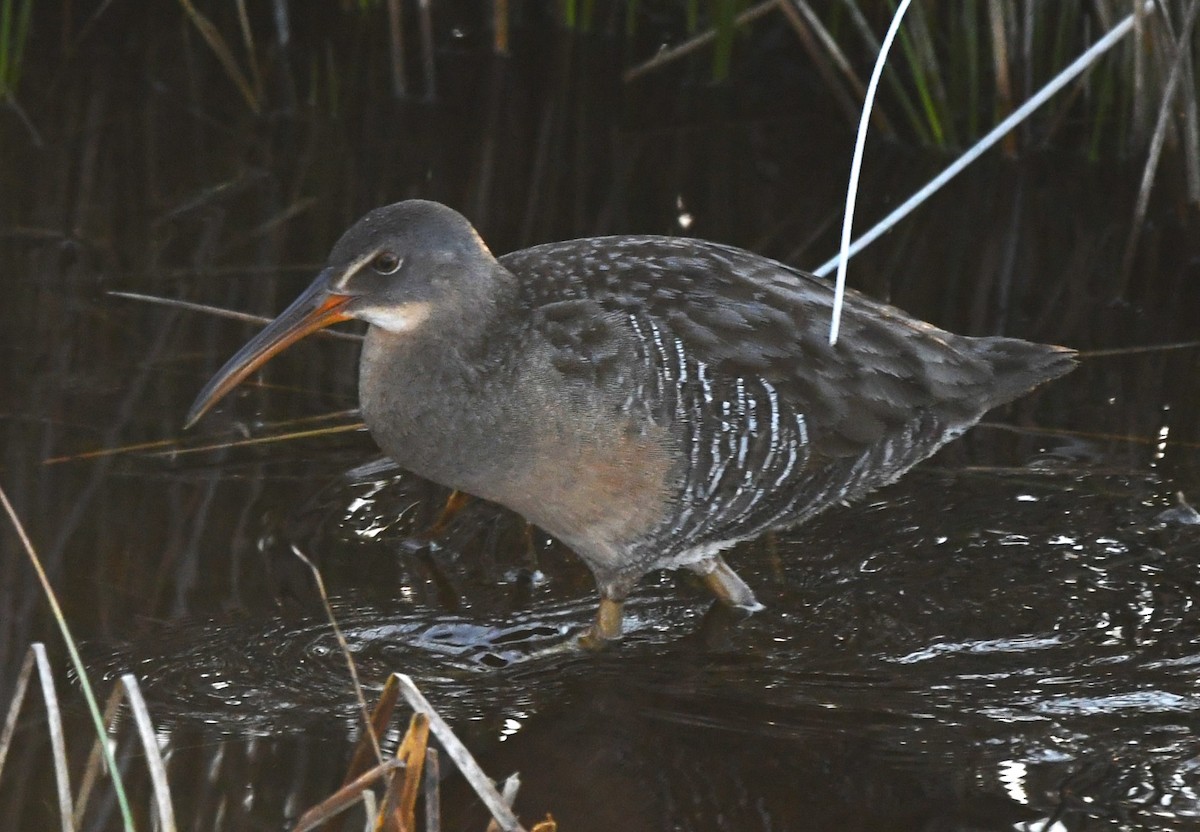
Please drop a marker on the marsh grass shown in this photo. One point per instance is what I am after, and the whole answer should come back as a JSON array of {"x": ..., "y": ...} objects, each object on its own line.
[
  {"x": 72, "y": 808},
  {"x": 37, "y": 654},
  {"x": 964, "y": 66},
  {"x": 14, "y": 33},
  {"x": 412, "y": 771},
  {"x": 961, "y": 68}
]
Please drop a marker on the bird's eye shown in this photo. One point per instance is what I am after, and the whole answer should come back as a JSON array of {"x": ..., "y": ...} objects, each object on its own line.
[{"x": 386, "y": 263}]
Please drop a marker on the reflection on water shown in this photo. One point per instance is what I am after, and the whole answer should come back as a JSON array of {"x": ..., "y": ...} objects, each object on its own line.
[
  {"x": 267, "y": 675},
  {"x": 979, "y": 665}
]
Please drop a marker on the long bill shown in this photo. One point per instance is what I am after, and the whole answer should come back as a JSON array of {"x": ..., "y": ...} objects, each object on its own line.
[{"x": 315, "y": 309}]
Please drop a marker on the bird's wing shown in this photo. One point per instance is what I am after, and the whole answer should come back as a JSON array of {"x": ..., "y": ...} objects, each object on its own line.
[{"x": 748, "y": 317}]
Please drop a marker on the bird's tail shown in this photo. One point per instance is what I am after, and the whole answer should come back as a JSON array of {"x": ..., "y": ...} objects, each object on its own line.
[{"x": 1019, "y": 366}]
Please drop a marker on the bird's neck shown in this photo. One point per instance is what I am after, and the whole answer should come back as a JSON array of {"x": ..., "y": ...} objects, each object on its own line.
[{"x": 432, "y": 397}]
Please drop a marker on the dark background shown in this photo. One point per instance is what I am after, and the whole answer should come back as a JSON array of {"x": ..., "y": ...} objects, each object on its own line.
[{"x": 1007, "y": 637}]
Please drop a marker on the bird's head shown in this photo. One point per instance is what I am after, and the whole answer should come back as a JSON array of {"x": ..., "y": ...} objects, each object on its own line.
[{"x": 396, "y": 268}]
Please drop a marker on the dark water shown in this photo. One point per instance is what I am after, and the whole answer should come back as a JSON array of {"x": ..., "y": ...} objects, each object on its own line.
[{"x": 1007, "y": 639}]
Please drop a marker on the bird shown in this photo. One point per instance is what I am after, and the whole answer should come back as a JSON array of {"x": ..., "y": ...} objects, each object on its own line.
[{"x": 650, "y": 401}]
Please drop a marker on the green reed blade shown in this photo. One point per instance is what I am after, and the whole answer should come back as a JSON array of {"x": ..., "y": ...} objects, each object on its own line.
[{"x": 76, "y": 660}]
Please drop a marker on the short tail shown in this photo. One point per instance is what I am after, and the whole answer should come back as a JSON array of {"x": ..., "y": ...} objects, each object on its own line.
[{"x": 1020, "y": 366}]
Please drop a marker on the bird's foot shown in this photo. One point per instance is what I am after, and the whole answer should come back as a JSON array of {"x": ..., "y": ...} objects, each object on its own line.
[
  {"x": 592, "y": 642},
  {"x": 604, "y": 632},
  {"x": 726, "y": 585},
  {"x": 606, "y": 627}
]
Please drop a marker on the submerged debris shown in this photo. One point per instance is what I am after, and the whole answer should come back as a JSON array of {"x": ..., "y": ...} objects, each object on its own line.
[
  {"x": 1181, "y": 514},
  {"x": 403, "y": 775}
]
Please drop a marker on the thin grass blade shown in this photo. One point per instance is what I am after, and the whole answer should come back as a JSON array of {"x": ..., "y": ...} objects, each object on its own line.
[
  {"x": 251, "y": 52},
  {"x": 94, "y": 767},
  {"x": 367, "y": 749},
  {"x": 345, "y": 648},
  {"x": 930, "y": 72},
  {"x": 461, "y": 757},
  {"x": 58, "y": 746},
  {"x": 899, "y": 91},
  {"x": 500, "y": 27},
  {"x": 509, "y": 795},
  {"x": 724, "y": 28},
  {"x": 76, "y": 660},
  {"x": 839, "y": 58},
  {"x": 1076, "y": 68},
  {"x": 154, "y": 760},
  {"x": 426, "y": 23},
  {"x": 221, "y": 312},
  {"x": 345, "y": 797},
  {"x": 14, "y": 708},
  {"x": 1156, "y": 145},
  {"x": 398, "y": 813},
  {"x": 6, "y": 47},
  {"x": 689, "y": 46},
  {"x": 412, "y": 753},
  {"x": 433, "y": 796},
  {"x": 224, "y": 55},
  {"x": 265, "y": 440},
  {"x": 820, "y": 56}
]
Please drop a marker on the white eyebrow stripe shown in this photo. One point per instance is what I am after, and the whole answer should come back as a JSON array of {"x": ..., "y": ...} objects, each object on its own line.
[{"x": 354, "y": 268}]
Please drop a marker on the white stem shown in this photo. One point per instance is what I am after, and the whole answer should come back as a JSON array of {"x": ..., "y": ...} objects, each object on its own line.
[
  {"x": 856, "y": 166},
  {"x": 1076, "y": 68}
]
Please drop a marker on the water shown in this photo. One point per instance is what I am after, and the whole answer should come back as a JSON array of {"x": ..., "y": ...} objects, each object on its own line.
[{"x": 1006, "y": 639}]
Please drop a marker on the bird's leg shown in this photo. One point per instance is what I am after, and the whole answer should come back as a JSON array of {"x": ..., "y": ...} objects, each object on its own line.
[
  {"x": 454, "y": 504},
  {"x": 606, "y": 627},
  {"x": 425, "y": 537},
  {"x": 604, "y": 630},
  {"x": 724, "y": 583}
]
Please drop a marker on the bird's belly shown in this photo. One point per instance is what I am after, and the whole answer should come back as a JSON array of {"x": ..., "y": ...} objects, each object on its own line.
[
  {"x": 600, "y": 480},
  {"x": 601, "y": 497},
  {"x": 599, "y": 488}
]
